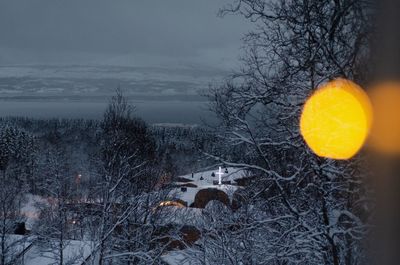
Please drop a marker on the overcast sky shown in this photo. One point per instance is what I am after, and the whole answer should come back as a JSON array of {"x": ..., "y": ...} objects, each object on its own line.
[
  {"x": 127, "y": 32},
  {"x": 156, "y": 50}
]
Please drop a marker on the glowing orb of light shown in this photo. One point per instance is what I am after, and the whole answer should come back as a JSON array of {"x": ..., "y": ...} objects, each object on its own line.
[
  {"x": 336, "y": 119},
  {"x": 385, "y": 132}
]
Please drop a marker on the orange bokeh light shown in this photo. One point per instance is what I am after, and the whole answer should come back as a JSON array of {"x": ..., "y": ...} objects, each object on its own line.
[
  {"x": 336, "y": 119},
  {"x": 385, "y": 133}
]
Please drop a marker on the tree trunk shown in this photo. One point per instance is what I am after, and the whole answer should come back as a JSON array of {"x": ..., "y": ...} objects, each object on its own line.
[{"x": 335, "y": 256}]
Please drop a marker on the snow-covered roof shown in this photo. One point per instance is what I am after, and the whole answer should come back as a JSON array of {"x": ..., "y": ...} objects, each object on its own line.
[
  {"x": 180, "y": 216},
  {"x": 176, "y": 257},
  {"x": 204, "y": 180}
]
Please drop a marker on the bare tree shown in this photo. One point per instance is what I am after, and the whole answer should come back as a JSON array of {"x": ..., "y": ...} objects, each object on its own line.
[
  {"x": 127, "y": 181},
  {"x": 56, "y": 224},
  {"x": 312, "y": 208}
]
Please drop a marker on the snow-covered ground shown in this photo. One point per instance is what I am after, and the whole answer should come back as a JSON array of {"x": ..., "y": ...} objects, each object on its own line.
[
  {"x": 29, "y": 251},
  {"x": 75, "y": 253}
]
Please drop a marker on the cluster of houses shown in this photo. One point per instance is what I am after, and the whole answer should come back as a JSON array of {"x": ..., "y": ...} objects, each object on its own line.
[{"x": 183, "y": 209}]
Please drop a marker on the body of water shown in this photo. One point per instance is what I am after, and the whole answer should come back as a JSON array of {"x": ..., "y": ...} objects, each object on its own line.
[{"x": 150, "y": 111}]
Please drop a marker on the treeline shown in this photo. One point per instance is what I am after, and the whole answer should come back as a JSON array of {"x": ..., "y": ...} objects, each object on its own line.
[{"x": 178, "y": 148}]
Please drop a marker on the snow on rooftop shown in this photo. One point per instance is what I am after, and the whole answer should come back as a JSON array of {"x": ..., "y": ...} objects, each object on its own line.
[
  {"x": 180, "y": 216},
  {"x": 204, "y": 180},
  {"x": 176, "y": 257}
]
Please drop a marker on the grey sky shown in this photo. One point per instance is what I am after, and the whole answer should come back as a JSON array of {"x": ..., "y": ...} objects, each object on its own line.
[
  {"x": 81, "y": 50},
  {"x": 117, "y": 32}
]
